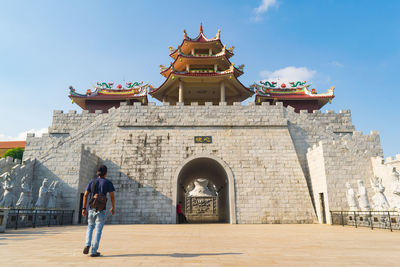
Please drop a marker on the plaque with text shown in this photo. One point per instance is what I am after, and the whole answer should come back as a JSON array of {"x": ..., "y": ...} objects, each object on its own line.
[{"x": 203, "y": 139}]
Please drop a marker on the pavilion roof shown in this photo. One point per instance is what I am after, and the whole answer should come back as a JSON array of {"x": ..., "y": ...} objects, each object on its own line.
[{"x": 296, "y": 91}]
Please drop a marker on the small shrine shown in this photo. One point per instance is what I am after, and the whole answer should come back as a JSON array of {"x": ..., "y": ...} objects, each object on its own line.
[
  {"x": 104, "y": 96},
  {"x": 294, "y": 94},
  {"x": 201, "y": 72}
]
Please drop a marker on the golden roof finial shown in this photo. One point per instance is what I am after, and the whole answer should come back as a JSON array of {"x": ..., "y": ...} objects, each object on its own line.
[{"x": 218, "y": 33}]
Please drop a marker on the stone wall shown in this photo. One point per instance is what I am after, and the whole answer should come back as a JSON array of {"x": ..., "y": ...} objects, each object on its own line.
[
  {"x": 67, "y": 122},
  {"x": 143, "y": 146},
  {"x": 264, "y": 146},
  {"x": 307, "y": 129},
  {"x": 333, "y": 163}
]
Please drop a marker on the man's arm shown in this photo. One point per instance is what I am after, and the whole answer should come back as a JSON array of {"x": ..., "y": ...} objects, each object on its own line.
[
  {"x": 112, "y": 210},
  {"x": 85, "y": 197}
]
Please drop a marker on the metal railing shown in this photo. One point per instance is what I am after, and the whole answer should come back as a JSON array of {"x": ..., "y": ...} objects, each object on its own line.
[
  {"x": 22, "y": 218},
  {"x": 372, "y": 219}
]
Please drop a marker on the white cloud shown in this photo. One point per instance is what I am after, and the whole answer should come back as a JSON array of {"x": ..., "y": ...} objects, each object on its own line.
[
  {"x": 22, "y": 135},
  {"x": 336, "y": 64},
  {"x": 263, "y": 7},
  {"x": 288, "y": 74}
]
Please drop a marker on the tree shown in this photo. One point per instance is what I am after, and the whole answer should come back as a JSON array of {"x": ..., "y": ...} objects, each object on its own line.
[{"x": 15, "y": 153}]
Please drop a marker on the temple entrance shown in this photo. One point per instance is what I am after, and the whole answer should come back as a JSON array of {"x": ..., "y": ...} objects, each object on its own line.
[{"x": 203, "y": 188}]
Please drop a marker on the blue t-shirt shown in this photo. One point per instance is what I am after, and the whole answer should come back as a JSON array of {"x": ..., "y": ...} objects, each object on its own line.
[{"x": 102, "y": 186}]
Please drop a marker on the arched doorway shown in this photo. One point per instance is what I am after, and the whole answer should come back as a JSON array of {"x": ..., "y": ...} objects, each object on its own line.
[{"x": 220, "y": 183}]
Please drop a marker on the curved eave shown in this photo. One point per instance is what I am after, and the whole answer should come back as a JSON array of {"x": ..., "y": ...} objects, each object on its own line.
[
  {"x": 294, "y": 97},
  {"x": 176, "y": 52},
  {"x": 107, "y": 97},
  {"x": 213, "y": 74},
  {"x": 189, "y": 42},
  {"x": 168, "y": 70}
]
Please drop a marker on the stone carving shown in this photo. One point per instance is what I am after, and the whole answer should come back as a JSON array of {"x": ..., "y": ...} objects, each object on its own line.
[
  {"x": 201, "y": 189},
  {"x": 394, "y": 197},
  {"x": 40, "y": 203},
  {"x": 8, "y": 198},
  {"x": 395, "y": 181},
  {"x": 362, "y": 196},
  {"x": 351, "y": 197},
  {"x": 25, "y": 199},
  {"x": 203, "y": 205},
  {"x": 52, "y": 195},
  {"x": 379, "y": 199}
]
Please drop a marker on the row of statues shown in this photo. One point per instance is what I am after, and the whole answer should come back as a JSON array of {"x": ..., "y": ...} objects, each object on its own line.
[
  {"x": 379, "y": 200},
  {"x": 47, "y": 197}
]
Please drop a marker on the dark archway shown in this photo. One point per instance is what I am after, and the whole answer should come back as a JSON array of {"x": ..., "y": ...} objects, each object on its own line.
[{"x": 214, "y": 172}]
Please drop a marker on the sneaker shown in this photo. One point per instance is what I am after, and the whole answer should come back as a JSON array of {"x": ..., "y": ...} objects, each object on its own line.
[
  {"x": 97, "y": 254},
  {"x": 86, "y": 250}
]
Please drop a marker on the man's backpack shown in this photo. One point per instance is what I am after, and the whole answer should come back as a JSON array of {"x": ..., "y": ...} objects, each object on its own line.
[{"x": 98, "y": 201}]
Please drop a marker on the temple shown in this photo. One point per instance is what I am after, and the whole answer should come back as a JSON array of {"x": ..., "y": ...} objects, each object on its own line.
[
  {"x": 294, "y": 94},
  {"x": 265, "y": 162},
  {"x": 201, "y": 72},
  {"x": 105, "y": 97}
]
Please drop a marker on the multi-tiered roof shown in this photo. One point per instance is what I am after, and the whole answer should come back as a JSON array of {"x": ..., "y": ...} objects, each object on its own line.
[{"x": 201, "y": 72}]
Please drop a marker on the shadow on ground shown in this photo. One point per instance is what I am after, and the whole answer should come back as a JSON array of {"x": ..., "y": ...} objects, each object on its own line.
[{"x": 174, "y": 255}]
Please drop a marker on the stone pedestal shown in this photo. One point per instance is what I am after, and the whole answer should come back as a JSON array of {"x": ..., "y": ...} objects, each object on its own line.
[
  {"x": 201, "y": 209},
  {"x": 3, "y": 220}
]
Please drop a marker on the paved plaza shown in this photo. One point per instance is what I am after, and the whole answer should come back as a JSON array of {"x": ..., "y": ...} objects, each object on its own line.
[{"x": 204, "y": 245}]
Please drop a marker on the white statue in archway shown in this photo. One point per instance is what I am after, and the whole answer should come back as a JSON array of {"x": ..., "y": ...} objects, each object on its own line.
[
  {"x": 379, "y": 199},
  {"x": 201, "y": 189},
  {"x": 363, "y": 196},
  {"x": 40, "y": 203},
  {"x": 25, "y": 199},
  {"x": 351, "y": 197},
  {"x": 8, "y": 198}
]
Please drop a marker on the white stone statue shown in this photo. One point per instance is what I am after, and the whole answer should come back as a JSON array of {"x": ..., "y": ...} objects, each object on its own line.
[
  {"x": 362, "y": 196},
  {"x": 379, "y": 199},
  {"x": 395, "y": 181},
  {"x": 40, "y": 203},
  {"x": 52, "y": 195},
  {"x": 8, "y": 198},
  {"x": 351, "y": 197},
  {"x": 25, "y": 199},
  {"x": 394, "y": 197},
  {"x": 201, "y": 189}
]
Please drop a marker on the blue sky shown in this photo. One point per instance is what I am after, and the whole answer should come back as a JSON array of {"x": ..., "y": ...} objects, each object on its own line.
[{"x": 45, "y": 46}]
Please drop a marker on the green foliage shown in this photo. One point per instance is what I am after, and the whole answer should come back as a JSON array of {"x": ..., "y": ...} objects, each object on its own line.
[{"x": 15, "y": 153}]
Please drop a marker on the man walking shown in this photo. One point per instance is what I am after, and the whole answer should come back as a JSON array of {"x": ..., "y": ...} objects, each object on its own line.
[{"x": 98, "y": 189}]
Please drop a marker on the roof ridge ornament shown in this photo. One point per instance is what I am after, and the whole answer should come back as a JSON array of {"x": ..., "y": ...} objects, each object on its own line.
[
  {"x": 201, "y": 27},
  {"x": 185, "y": 34},
  {"x": 218, "y": 34}
]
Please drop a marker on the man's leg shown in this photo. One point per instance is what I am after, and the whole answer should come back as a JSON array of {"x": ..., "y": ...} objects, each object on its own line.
[
  {"x": 90, "y": 228},
  {"x": 100, "y": 220}
]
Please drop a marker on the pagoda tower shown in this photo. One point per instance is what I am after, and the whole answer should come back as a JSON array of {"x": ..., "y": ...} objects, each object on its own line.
[{"x": 201, "y": 72}]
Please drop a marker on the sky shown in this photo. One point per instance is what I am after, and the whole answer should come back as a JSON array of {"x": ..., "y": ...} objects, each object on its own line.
[{"x": 46, "y": 46}]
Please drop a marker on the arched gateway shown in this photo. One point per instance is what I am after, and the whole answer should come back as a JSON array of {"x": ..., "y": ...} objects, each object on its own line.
[{"x": 220, "y": 182}]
